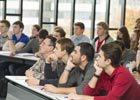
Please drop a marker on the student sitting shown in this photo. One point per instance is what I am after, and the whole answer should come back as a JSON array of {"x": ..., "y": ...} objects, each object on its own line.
[
  {"x": 111, "y": 81},
  {"x": 77, "y": 73},
  {"x": 55, "y": 63}
]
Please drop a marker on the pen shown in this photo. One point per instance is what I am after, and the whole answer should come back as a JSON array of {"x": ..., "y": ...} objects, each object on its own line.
[{"x": 65, "y": 96}]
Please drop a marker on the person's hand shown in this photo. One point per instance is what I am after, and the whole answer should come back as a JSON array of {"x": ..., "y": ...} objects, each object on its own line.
[
  {"x": 70, "y": 65},
  {"x": 31, "y": 81},
  {"x": 29, "y": 73},
  {"x": 37, "y": 54},
  {"x": 50, "y": 88},
  {"x": 97, "y": 68},
  {"x": 51, "y": 58},
  {"x": 133, "y": 64},
  {"x": 136, "y": 75},
  {"x": 73, "y": 96},
  {"x": 12, "y": 54}
]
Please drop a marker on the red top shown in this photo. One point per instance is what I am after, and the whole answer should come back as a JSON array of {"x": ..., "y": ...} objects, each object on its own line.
[
  {"x": 99, "y": 45},
  {"x": 119, "y": 86}
]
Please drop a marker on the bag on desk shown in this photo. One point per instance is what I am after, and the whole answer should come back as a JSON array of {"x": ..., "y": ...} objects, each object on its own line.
[{"x": 3, "y": 86}]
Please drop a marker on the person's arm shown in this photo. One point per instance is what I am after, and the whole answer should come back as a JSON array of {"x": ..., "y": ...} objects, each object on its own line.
[
  {"x": 138, "y": 58},
  {"x": 73, "y": 96},
  {"x": 6, "y": 46},
  {"x": 64, "y": 77},
  {"x": 59, "y": 90}
]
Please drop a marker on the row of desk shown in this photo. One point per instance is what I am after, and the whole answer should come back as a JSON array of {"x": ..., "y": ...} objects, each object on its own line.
[{"x": 18, "y": 88}]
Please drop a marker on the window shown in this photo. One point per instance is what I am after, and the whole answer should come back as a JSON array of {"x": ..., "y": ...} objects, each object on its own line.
[
  {"x": 83, "y": 13},
  {"x": 30, "y": 15},
  {"x": 132, "y": 13},
  {"x": 13, "y": 6},
  {"x": 64, "y": 15},
  {"x": 115, "y": 14},
  {"x": 1, "y": 11}
]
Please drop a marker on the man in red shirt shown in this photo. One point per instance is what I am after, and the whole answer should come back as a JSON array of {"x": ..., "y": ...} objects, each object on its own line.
[{"x": 111, "y": 81}]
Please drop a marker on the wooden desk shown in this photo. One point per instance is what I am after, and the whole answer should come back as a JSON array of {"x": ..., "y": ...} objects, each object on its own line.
[{"x": 19, "y": 90}]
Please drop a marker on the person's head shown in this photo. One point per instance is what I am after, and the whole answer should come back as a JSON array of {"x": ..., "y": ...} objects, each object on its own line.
[
  {"x": 84, "y": 52},
  {"x": 43, "y": 33},
  {"x": 123, "y": 34},
  {"x": 102, "y": 28},
  {"x": 135, "y": 35},
  {"x": 59, "y": 32},
  {"x": 137, "y": 24},
  {"x": 47, "y": 45},
  {"x": 64, "y": 46},
  {"x": 109, "y": 55},
  {"x": 4, "y": 26},
  {"x": 18, "y": 27},
  {"x": 79, "y": 28},
  {"x": 35, "y": 30}
]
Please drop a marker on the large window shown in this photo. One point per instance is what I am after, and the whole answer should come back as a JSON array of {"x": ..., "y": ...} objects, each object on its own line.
[
  {"x": 64, "y": 15},
  {"x": 30, "y": 14},
  {"x": 83, "y": 13},
  {"x": 132, "y": 13},
  {"x": 115, "y": 14},
  {"x": 2, "y": 9},
  {"x": 13, "y": 6},
  {"x": 49, "y": 14}
]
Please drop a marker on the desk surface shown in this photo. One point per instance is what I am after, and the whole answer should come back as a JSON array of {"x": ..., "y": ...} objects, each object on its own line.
[
  {"x": 20, "y": 80},
  {"x": 27, "y": 56}
]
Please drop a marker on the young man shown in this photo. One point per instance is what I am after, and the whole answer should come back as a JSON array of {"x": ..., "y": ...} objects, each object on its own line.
[
  {"x": 78, "y": 36},
  {"x": 33, "y": 44},
  {"x": 55, "y": 63},
  {"x": 77, "y": 73},
  {"x": 4, "y": 28},
  {"x": 59, "y": 33},
  {"x": 17, "y": 40},
  {"x": 46, "y": 49},
  {"x": 111, "y": 81},
  {"x": 102, "y": 36}
]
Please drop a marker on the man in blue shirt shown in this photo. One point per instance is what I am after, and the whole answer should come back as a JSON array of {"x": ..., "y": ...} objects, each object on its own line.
[
  {"x": 78, "y": 36},
  {"x": 17, "y": 40}
]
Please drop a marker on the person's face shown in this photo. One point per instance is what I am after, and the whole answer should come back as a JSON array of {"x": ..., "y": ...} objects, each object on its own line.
[
  {"x": 3, "y": 28},
  {"x": 16, "y": 29},
  {"x": 45, "y": 46},
  {"x": 78, "y": 30},
  {"x": 101, "y": 62},
  {"x": 120, "y": 35},
  {"x": 76, "y": 56},
  {"x": 100, "y": 30},
  {"x": 58, "y": 52},
  {"x": 56, "y": 35},
  {"x": 34, "y": 31}
]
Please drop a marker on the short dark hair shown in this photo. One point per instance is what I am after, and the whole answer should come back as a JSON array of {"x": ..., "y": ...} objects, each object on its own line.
[
  {"x": 60, "y": 30},
  {"x": 66, "y": 44},
  {"x": 43, "y": 33},
  {"x": 80, "y": 24},
  {"x": 87, "y": 49},
  {"x": 6, "y": 22},
  {"x": 37, "y": 27},
  {"x": 112, "y": 51},
  {"x": 52, "y": 40},
  {"x": 21, "y": 25}
]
